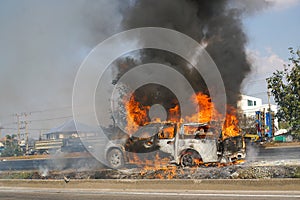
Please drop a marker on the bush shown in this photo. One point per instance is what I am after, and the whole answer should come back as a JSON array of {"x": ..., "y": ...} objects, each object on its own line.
[
  {"x": 297, "y": 173},
  {"x": 11, "y": 149}
]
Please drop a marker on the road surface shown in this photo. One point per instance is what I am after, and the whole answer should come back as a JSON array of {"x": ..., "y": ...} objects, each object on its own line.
[
  {"x": 273, "y": 153},
  {"x": 147, "y": 189},
  {"x": 66, "y": 194},
  {"x": 49, "y": 163}
]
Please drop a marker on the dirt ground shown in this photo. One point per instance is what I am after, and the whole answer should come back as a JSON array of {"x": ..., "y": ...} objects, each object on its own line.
[{"x": 255, "y": 170}]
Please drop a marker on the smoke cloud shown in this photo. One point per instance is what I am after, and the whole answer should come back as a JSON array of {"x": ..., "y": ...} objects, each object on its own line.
[
  {"x": 218, "y": 24},
  {"x": 44, "y": 43}
]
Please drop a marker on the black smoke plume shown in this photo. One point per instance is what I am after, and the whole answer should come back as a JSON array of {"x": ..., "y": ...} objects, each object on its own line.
[{"x": 214, "y": 22}]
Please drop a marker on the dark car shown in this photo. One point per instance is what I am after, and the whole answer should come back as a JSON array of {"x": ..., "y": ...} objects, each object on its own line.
[{"x": 73, "y": 145}]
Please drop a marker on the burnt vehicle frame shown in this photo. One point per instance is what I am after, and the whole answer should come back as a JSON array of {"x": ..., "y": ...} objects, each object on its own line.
[{"x": 188, "y": 144}]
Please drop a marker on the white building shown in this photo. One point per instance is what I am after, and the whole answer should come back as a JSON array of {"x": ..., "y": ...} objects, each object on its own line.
[{"x": 248, "y": 105}]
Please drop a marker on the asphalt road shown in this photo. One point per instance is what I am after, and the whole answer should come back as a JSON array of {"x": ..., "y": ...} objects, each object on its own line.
[
  {"x": 68, "y": 194},
  {"x": 273, "y": 153},
  {"x": 51, "y": 164}
]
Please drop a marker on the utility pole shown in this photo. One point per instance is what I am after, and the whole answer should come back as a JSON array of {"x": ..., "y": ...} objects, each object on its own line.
[
  {"x": 269, "y": 96},
  {"x": 26, "y": 132},
  {"x": 24, "y": 122},
  {"x": 18, "y": 122},
  {"x": 270, "y": 114},
  {"x": 1, "y": 131}
]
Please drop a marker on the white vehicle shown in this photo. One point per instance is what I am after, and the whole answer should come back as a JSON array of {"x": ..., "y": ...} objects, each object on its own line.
[{"x": 188, "y": 144}]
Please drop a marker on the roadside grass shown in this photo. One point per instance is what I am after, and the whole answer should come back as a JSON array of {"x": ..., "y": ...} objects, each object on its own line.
[
  {"x": 297, "y": 173},
  {"x": 18, "y": 175}
]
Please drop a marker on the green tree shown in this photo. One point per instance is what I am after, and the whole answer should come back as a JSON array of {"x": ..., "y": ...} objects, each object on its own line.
[
  {"x": 285, "y": 87},
  {"x": 11, "y": 147}
]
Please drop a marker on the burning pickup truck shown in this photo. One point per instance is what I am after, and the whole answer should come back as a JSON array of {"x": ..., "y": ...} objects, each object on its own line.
[{"x": 188, "y": 144}]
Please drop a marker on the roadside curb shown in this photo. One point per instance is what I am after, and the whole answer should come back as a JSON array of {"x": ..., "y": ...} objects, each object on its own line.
[{"x": 185, "y": 184}]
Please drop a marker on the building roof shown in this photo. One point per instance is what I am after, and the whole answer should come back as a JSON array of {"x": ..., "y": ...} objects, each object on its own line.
[{"x": 70, "y": 127}]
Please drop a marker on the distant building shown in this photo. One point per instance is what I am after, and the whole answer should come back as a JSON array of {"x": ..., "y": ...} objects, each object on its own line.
[
  {"x": 248, "y": 105},
  {"x": 68, "y": 130}
]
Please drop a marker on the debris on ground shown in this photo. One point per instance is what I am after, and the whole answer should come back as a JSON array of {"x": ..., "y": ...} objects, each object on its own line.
[{"x": 255, "y": 170}]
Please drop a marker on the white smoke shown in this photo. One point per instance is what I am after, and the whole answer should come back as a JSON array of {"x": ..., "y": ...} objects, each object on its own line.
[{"x": 43, "y": 44}]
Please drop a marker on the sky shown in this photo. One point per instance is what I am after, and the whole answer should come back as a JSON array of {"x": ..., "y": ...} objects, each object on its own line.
[
  {"x": 43, "y": 43},
  {"x": 270, "y": 33}
]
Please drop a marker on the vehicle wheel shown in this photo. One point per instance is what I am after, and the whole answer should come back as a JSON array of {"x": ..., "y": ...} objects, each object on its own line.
[
  {"x": 188, "y": 159},
  {"x": 115, "y": 158}
]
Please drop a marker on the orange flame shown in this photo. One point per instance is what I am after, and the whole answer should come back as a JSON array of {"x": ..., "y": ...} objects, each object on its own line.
[
  {"x": 206, "y": 109},
  {"x": 230, "y": 126},
  {"x": 137, "y": 114},
  {"x": 174, "y": 114},
  {"x": 208, "y": 112},
  {"x": 159, "y": 165}
]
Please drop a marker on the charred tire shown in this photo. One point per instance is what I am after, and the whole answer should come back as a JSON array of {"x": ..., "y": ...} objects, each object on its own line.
[
  {"x": 188, "y": 159},
  {"x": 115, "y": 158}
]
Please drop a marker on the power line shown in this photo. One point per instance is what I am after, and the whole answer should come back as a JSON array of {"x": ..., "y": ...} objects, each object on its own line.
[
  {"x": 50, "y": 109},
  {"x": 265, "y": 92},
  {"x": 30, "y": 129},
  {"x": 33, "y": 120},
  {"x": 8, "y": 123},
  {"x": 37, "y": 120},
  {"x": 254, "y": 80},
  {"x": 6, "y": 116},
  {"x": 36, "y": 111},
  {"x": 3, "y": 126}
]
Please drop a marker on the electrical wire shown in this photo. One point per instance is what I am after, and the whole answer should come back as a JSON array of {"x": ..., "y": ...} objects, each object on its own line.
[
  {"x": 50, "y": 109},
  {"x": 49, "y": 119}
]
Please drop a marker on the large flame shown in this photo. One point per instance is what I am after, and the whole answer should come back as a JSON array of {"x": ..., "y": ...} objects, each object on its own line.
[
  {"x": 230, "y": 126},
  {"x": 208, "y": 113},
  {"x": 156, "y": 166},
  {"x": 137, "y": 115},
  {"x": 206, "y": 109},
  {"x": 174, "y": 113}
]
